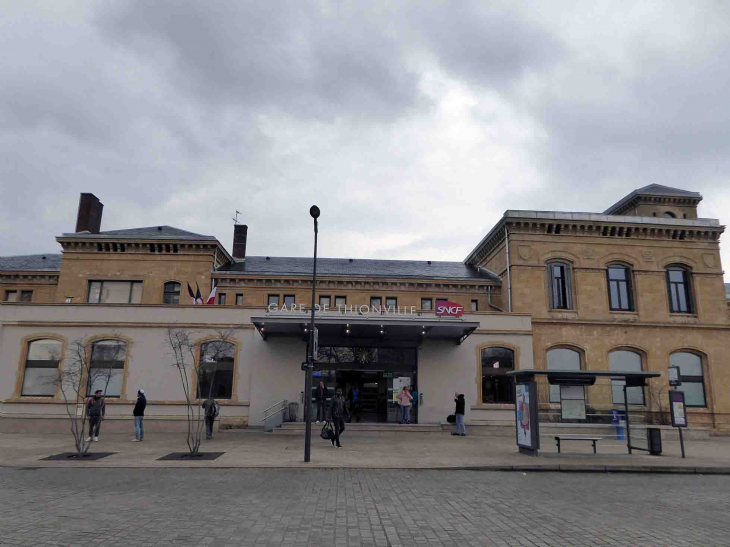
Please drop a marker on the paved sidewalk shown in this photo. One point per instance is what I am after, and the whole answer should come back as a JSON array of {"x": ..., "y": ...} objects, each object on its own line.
[{"x": 376, "y": 450}]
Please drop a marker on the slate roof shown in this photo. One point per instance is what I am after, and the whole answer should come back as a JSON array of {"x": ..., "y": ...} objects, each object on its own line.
[
  {"x": 358, "y": 267},
  {"x": 654, "y": 190},
  {"x": 31, "y": 263},
  {"x": 150, "y": 232}
]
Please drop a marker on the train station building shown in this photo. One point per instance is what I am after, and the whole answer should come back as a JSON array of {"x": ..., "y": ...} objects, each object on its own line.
[{"x": 638, "y": 287}]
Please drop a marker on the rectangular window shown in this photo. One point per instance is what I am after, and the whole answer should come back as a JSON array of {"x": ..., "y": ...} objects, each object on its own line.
[
  {"x": 426, "y": 304},
  {"x": 340, "y": 301},
  {"x": 26, "y": 296},
  {"x": 559, "y": 277},
  {"x": 679, "y": 295},
  {"x": 376, "y": 304},
  {"x": 106, "y": 370},
  {"x": 391, "y": 304},
  {"x": 222, "y": 299},
  {"x": 289, "y": 300},
  {"x": 273, "y": 300},
  {"x": 475, "y": 305},
  {"x": 115, "y": 292},
  {"x": 619, "y": 288},
  {"x": 11, "y": 296},
  {"x": 325, "y": 302},
  {"x": 239, "y": 300}
]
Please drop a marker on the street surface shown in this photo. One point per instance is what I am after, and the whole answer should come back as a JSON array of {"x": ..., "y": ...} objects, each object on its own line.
[{"x": 320, "y": 507}]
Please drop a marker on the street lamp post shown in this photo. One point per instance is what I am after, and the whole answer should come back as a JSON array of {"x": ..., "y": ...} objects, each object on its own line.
[{"x": 314, "y": 212}]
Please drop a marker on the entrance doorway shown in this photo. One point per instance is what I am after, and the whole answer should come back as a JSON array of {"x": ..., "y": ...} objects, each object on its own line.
[{"x": 370, "y": 379}]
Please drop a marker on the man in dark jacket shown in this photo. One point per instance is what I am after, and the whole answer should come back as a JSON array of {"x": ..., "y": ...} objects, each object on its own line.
[
  {"x": 211, "y": 413},
  {"x": 95, "y": 411},
  {"x": 338, "y": 411},
  {"x": 459, "y": 427},
  {"x": 321, "y": 398},
  {"x": 138, "y": 414}
]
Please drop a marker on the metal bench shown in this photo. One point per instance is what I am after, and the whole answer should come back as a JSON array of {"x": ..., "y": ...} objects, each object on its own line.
[{"x": 559, "y": 438}]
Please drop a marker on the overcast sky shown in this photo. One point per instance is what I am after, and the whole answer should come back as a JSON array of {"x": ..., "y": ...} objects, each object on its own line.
[{"x": 413, "y": 125}]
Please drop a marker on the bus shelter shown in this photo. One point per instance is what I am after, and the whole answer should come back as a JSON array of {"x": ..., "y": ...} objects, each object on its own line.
[{"x": 572, "y": 385}]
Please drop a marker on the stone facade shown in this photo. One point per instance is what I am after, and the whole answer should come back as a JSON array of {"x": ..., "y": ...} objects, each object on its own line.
[{"x": 512, "y": 300}]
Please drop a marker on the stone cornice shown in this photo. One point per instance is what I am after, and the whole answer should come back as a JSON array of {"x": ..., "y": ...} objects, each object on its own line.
[
  {"x": 36, "y": 278},
  {"x": 604, "y": 227}
]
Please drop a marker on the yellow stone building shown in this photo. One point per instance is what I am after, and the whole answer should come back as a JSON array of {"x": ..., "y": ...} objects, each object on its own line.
[{"x": 637, "y": 287}]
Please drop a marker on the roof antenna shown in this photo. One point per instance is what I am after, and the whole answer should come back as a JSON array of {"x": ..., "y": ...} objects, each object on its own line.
[{"x": 235, "y": 219}]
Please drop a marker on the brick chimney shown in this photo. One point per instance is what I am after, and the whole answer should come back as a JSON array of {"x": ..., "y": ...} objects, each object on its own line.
[
  {"x": 89, "y": 215},
  {"x": 240, "y": 233}
]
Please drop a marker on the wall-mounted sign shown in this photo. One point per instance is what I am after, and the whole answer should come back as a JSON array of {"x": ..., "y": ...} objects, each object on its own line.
[
  {"x": 346, "y": 310},
  {"x": 444, "y": 308},
  {"x": 674, "y": 377},
  {"x": 677, "y": 408}
]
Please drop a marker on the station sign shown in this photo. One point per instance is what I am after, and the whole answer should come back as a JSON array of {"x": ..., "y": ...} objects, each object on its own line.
[{"x": 444, "y": 308}]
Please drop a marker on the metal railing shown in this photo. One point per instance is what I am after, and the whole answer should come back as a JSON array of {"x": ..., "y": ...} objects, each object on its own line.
[{"x": 274, "y": 415}]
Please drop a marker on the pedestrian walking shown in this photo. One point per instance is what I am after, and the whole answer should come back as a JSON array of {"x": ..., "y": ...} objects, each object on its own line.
[
  {"x": 212, "y": 409},
  {"x": 321, "y": 399},
  {"x": 95, "y": 412},
  {"x": 459, "y": 427},
  {"x": 138, "y": 414},
  {"x": 404, "y": 404},
  {"x": 338, "y": 411}
]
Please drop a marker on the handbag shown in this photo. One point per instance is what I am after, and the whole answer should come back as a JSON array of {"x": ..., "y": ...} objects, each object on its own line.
[
  {"x": 451, "y": 419},
  {"x": 327, "y": 432}
]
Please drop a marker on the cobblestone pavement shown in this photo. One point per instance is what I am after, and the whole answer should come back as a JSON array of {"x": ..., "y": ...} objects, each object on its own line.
[{"x": 288, "y": 507}]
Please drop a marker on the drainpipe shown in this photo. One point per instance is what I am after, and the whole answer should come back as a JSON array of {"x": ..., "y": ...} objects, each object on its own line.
[
  {"x": 509, "y": 277},
  {"x": 489, "y": 291}
]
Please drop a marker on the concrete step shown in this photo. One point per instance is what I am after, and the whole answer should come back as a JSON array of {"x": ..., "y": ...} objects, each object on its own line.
[{"x": 297, "y": 428}]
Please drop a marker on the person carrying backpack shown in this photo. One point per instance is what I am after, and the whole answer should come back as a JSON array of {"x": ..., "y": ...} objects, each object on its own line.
[{"x": 212, "y": 409}]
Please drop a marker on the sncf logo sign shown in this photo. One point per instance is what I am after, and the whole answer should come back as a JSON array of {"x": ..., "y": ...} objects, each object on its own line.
[{"x": 448, "y": 309}]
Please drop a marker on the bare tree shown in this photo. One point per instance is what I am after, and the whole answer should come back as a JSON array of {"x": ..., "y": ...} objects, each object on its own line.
[
  {"x": 659, "y": 403},
  {"x": 203, "y": 368},
  {"x": 86, "y": 366}
]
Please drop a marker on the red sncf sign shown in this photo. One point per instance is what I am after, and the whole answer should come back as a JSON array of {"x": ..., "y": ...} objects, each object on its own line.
[{"x": 448, "y": 309}]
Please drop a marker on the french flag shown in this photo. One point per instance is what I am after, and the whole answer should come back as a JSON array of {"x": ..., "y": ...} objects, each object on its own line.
[{"x": 211, "y": 297}]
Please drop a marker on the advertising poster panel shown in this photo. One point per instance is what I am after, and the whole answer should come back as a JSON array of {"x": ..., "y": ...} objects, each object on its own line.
[{"x": 677, "y": 409}]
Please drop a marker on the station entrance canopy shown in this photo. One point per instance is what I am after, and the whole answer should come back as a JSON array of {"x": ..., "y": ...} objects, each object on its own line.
[{"x": 368, "y": 329}]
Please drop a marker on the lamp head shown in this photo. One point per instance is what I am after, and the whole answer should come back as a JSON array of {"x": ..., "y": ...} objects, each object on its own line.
[{"x": 314, "y": 211}]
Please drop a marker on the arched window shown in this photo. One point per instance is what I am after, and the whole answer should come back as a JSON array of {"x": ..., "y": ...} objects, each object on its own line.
[
  {"x": 496, "y": 385},
  {"x": 620, "y": 289},
  {"x": 679, "y": 287},
  {"x": 562, "y": 359},
  {"x": 669, "y": 214},
  {"x": 692, "y": 376},
  {"x": 560, "y": 286},
  {"x": 216, "y": 369},
  {"x": 172, "y": 293},
  {"x": 41, "y": 368},
  {"x": 106, "y": 370},
  {"x": 625, "y": 361}
]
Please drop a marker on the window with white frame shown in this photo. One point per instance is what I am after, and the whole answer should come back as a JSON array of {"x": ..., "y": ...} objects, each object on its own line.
[
  {"x": 106, "y": 370},
  {"x": 115, "y": 292}
]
